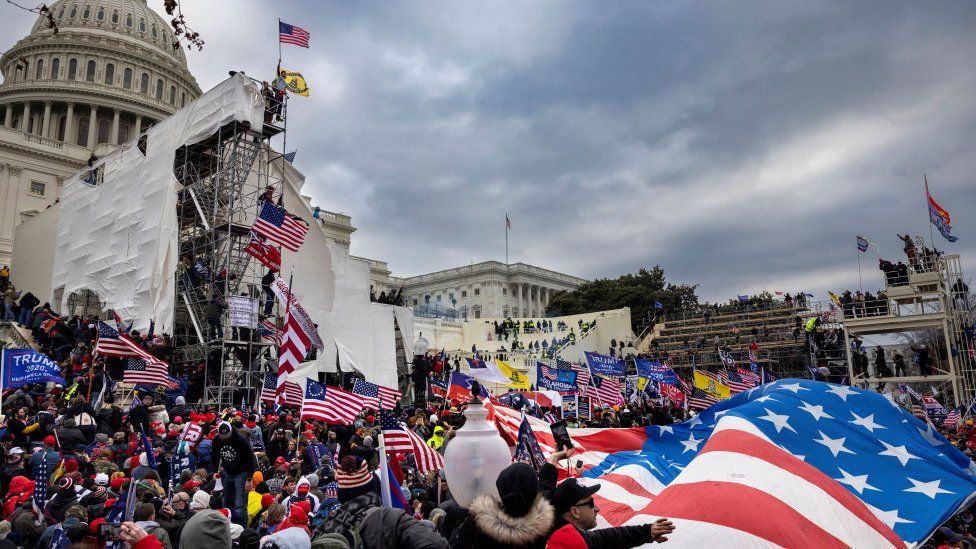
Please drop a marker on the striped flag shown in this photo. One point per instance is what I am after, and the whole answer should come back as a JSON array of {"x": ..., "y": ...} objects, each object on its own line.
[
  {"x": 290, "y": 34},
  {"x": 292, "y": 392},
  {"x": 339, "y": 406},
  {"x": 313, "y": 404},
  {"x": 145, "y": 372},
  {"x": 582, "y": 375},
  {"x": 294, "y": 346},
  {"x": 751, "y": 377},
  {"x": 606, "y": 390},
  {"x": 398, "y": 438},
  {"x": 270, "y": 332},
  {"x": 274, "y": 223},
  {"x": 699, "y": 399},
  {"x": 952, "y": 418},
  {"x": 375, "y": 395},
  {"x": 734, "y": 381}
]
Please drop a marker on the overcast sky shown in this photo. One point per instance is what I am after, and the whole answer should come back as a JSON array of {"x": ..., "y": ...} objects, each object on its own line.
[{"x": 740, "y": 145}]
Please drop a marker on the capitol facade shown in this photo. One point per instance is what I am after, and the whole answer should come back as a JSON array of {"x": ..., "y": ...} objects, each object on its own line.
[{"x": 109, "y": 72}]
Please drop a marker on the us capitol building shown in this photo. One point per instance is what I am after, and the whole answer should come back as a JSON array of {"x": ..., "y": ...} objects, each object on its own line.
[{"x": 110, "y": 72}]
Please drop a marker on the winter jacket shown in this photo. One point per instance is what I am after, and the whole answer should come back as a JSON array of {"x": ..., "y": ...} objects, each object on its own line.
[
  {"x": 489, "y": 526},
  {"x": 25, "y": 523},
  {"x": 621, "y": 537},
  {"x": 154, "y": 529},
  {"x": 174, "y": 525},
  {"x": 384, "y": 527}
]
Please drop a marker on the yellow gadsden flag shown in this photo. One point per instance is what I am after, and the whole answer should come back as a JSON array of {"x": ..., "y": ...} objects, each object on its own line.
[
  {"x": 294, "y": 82},
  {"x": 712, "y": 386},
  {"x": 519, "y": 380}
]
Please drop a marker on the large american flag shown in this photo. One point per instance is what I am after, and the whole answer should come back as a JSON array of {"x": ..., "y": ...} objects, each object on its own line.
[
  {"x": 270, "y": 332},
  {"x": 290, "y": 34},
  {"x": 795, "y": 463},
  {"x": 582, "y": 375},
  {"x": 398, "y": 438},
  {"x": 698, "y": 399},
  {"x": 146, "y": 372},
  {"x": 292, "y": 350},
  {"x": 275, "y": 224},
  {"x": 142, "y": 368},
  {"x": 292, "y": 392},
  {"x": 376, "y": 395},
  {"x": 330, "y": 404}
]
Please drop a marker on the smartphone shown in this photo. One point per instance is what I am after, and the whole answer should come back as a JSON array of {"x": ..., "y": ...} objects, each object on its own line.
[
  {"x": 109, "y": 531},
  {"x": 561, "y": 435}
]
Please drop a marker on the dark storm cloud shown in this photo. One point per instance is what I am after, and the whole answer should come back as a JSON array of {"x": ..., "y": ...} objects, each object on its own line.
[{"x": 740, "y": 145}]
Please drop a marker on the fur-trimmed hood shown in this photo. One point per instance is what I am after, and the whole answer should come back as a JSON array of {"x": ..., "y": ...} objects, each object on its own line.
[{"x": 491, "y": 519}]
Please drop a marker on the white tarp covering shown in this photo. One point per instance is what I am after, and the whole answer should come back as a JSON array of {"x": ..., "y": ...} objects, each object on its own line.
[
  {"x": 118, "y": 238},
  {"x": 404, "y": 318}
]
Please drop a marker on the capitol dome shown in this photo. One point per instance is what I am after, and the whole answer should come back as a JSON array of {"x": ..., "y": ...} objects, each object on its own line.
[{"x": 109, "y": 72}]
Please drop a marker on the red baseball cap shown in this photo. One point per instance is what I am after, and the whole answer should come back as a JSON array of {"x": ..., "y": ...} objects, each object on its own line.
[{"x": 191, "y": 484}]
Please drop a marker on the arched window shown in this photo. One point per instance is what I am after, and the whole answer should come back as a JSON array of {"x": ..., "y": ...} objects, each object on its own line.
[
  {"x": 82, "y": 136},
  {"x": 159, "y": 90},
  {"x": 62, "y": 125},
  {"x": 124, "y": 133},
  {"x": 61, "y": 15},
  {"x": 128, "y": 20},
  {"x": 39, "y": 71},
  {"x": 101, "y": 14},
  {"x": 72, "y": 69},
  {"x": 115, "y": 16},
  {"x": 110, "y": 74},
  {"x": 127, "y": 78},
  {"x": 144, "y": 83},
  {"x": 172, "y": 95},
  {"x": 90, "y": 72},
  {"x": 87, "y": 13},
  {"x": 103, "y": 128},
  {"x": 183, "y": 100},
  {"x": 142, "y": 25},
  {"x": 55, "y": 68},
  {"x": 73, "y": 12},
  {"x": 154, "y": 33}
]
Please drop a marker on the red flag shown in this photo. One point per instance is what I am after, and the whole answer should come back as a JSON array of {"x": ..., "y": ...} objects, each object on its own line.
[{"x": 268, "y": 255}]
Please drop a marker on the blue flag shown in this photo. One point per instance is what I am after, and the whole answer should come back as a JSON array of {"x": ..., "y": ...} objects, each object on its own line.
[
  {"x": 25, "y": 366},
  {"x": 147, "y": 447},
  {"x": 605, "y": 365},
  {"x": 656, "y": 371},
  {"x": 527, "y": 449},
  {"x": 555, "y": 379},
  {"x": 397, "y": 498}
]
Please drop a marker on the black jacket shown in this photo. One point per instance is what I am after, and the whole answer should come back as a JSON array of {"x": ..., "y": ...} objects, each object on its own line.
[{"x": 235, "y": 455}]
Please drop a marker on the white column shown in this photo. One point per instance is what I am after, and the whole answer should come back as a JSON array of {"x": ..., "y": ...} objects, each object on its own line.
[
  {"x": 138, "y": 124},
  {"x": 520, "y": 305},
  {"x": 114, "y": 137},
  {"x": 46, "y": 120},
  {"x": 93, "y": 127},
  {"x": 69, "y": 124},
  {"x": 8, "y": 117},
  {"x": 25, "y": 120}
]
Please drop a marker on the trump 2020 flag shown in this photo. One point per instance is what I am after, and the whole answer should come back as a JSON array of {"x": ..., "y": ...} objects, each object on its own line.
[{"x": 25, "y": 366}]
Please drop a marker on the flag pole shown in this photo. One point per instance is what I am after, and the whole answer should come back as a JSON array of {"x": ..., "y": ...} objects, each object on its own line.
[
  {"x": 927, "y": 195},
  {"x": 506, "y": 238},
  {"x": 860, "y": 281},
  {"x": 384, "y": 467}
]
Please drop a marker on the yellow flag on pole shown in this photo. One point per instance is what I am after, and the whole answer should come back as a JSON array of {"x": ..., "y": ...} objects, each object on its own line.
[
  {"x": 712, "y": 386},
  {"x": 294, "y": 82},
  {"x": 519, "y": 380}
]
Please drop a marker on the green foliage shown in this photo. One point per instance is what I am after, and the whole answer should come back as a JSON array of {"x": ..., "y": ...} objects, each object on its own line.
[{"x": 637, "y": 291}]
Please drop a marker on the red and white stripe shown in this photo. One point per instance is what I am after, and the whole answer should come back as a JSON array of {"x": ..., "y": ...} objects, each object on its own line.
[
  {"x": 608, "y": 392},
  {"x": 294, "y": 346},
  {"x": 292, "y": 395},
  {"x": 156, "y": 372},
  {"x": 341, "y": 406},
  {"x": 427, "y": 458},
  {"x": 397, "y": 440},
  {"x": 735, "y": 387},
  {"x": 749, "y": 492}
]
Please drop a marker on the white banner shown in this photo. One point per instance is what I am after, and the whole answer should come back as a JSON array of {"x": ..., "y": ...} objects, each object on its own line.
[
  {"x": 295, "y": 309},
  {"x": 243, "y": 311}
]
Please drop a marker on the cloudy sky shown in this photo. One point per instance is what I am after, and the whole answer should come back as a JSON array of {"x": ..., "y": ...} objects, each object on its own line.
[{"x": 741, "y": 145}]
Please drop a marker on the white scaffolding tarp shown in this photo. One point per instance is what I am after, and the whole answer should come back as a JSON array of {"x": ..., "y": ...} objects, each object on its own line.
[{"x": 119, "y": 238}]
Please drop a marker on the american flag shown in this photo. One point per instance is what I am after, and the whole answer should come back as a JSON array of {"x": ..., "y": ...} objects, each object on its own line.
[
  {"x": 398, "y": 438},
  {"x": 376, "y": 395},
  {"x": 550, "y": 417},
  {"x": 290, "y": 34},
  {"x": 42, "y": 476},
  {"x": 292, "y": 392},
  {"x": 699, "y": 399},
  {"x": 292, "y": 350},
  {"x": 952, "y": 418},
  {"x": 270, "y": 332},
  {"x": 605, "y": 390},
  {"x": 144, "y": 372},
  {"x": 582, "y": 375},
  {"x": 750, "y": 377},
  {"x": 60, "y": 539},
  {"x": 734, "y": 381},
  {"x": 275, "y": 224},
  {"x": 330, "y": 404}
]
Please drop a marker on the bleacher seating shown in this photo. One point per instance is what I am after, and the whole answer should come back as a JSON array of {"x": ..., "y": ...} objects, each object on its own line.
[{"x": 692, "y": 340}]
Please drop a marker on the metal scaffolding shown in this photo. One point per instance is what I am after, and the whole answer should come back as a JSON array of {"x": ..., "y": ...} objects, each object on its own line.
[{"x": 223, "y": 181}]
